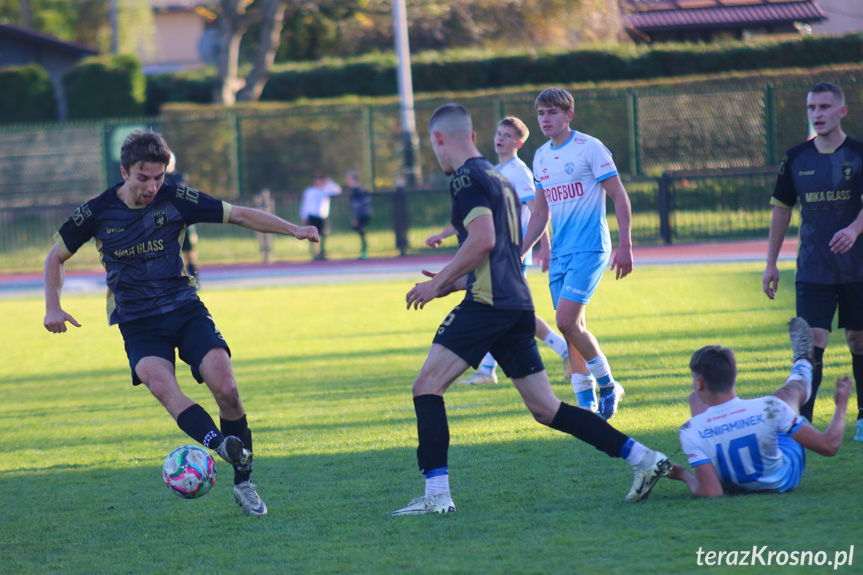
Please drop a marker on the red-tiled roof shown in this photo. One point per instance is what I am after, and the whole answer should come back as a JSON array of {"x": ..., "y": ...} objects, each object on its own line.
[{"x": 725, "y": 16}]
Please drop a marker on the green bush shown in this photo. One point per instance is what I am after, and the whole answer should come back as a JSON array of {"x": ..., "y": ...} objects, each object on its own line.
[
  {"x": 28, "y": 95},
  {"x": 105, "y": 87},
  {"x": 375, "y": 74}
]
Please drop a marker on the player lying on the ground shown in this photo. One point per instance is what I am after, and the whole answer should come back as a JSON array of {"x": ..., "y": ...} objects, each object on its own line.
[
  {"x": 753, "y": 445},
  {"x": 496, "y": 315}
]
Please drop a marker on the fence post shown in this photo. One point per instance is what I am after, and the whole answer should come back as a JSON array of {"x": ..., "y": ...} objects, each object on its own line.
[
  {"x": 106, "y": 153},
  {"x": 238, "y": 138},
  {"x": 400, "y": 219},
  {"x": 770, "y": 128},
  {"x": 632, "y": 109},
  {"x": 664, "y": 206},
  {"x": 369, "y": 148}
]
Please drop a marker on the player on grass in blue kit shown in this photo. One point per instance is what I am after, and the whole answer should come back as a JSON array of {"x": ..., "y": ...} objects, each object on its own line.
[
  {"x": 825, "y": 175},
  {"x": 138, "y": 226},
  {"x": 753, "y": 445},
  {"x": 496, "y": 315},
  {"x": 573, "y": 173}
]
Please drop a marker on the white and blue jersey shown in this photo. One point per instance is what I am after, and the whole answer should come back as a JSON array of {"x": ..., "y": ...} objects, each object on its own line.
[
  {"x": 521, "y": 178},
  {"x": 748, "y": 442},
  {"x": 570, "y": 176}
]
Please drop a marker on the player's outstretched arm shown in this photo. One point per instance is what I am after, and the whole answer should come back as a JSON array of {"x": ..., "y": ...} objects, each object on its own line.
[
  {"x": 622, "y": 258},
  {"x": 705, "y": 482},
  {"x": 263, "y": 222},
  {"x": 779, "y": 222},
  {"x": 55, "y": 274},
  {"x": 437, "y": 239},
  {"x": 827, "y": 442},
  {"x": 480, "y": 241}
]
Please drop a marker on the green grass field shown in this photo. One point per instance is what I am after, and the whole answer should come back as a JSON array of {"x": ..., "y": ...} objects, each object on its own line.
[{"x": 325, "y": 375}]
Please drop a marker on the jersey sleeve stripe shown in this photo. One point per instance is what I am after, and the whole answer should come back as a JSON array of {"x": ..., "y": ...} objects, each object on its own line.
[
  {"x": 58, "y": 241},
  {"x": 798, "y": 423},
  {"x": 779, "y": 204},
  {"x": 528, "y": 198},
  {"x": 699, "y": 462},
  {"x": 475, "y": 213},
  {"x": 226, "y": 212},
  {"x": 606, "y": 176}
]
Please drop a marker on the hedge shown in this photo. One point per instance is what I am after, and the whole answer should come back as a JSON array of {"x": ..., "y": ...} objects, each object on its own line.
[
  {"x": 105, "y": 87},
  {"x": 375, "y": 75},
  {"x": 28, "y": 95}
]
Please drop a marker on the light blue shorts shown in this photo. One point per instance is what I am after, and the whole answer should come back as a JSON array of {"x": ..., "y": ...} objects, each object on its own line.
[
  {"x": 575, "y": 277},
  {"x": 794, "y": 453}
]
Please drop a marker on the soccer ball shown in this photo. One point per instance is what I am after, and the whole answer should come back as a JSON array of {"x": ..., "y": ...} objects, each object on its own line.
[{"x": 189, "y": 471}]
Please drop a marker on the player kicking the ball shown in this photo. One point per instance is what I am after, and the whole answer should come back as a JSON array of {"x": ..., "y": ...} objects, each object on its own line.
[
  {"x": 139, "y": 227},
  {"x": 753, "y": 445},
  {"x": 496, "y": 315}
]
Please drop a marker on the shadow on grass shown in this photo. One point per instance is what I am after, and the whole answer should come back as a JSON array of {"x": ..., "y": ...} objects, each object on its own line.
[{"x": 523, "y": 507}]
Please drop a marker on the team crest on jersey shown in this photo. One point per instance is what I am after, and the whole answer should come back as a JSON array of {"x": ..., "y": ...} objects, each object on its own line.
[
  {"x": 569, "y": 168},
  {"x": 848, "y": 170},
  {"x": 160, "y": 218}
]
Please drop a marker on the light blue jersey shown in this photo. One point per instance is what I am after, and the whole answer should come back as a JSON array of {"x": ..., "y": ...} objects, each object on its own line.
[
  {"x": 748, "y": 442},
  {"x": 519, "y": 175},
  {"x": 570, "y": 177}
]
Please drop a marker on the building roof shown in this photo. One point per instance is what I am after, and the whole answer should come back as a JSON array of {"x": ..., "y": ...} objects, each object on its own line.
[
  {"x": 656, "y": 15},
  {"x": 27, "y": 35}
]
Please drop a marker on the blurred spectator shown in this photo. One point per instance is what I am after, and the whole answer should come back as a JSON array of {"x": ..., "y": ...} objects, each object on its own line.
[
  {"x": 361, "y": 204},
  {"x": 315, "y": 209}
]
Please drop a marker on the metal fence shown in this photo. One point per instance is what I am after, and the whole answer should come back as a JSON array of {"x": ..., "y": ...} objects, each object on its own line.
[{"x": 233, "y": 153}]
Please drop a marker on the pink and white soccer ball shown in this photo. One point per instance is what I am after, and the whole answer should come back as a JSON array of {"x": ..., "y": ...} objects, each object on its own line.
[{"x": 189, "y": 471}]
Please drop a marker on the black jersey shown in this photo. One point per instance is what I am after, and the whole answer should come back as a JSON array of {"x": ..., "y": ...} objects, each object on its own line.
[
  {"x": 140, "y": 247},
  {"x": 477, "y": 189},
  {"x": 829, "y": 189}
]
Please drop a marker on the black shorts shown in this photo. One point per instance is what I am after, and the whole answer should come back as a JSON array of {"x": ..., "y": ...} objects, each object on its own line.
[
  {"x": 190, "y": 330},
  {"x": 817, "y": 303},
  {"x": 320, "y": 224},
  {"x": 472, "y": 329}
]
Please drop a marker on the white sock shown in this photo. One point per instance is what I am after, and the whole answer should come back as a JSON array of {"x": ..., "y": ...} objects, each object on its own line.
[
  {"x": 582, "y": 382},
  {"x": 802, "y": 371},
  {"x": 600, "y": 369},
  {"x": 636, "y": 454},
  {"x": 488, "y": 365},
  {"x": 438, "y": 484},
  {"x": 556, "y": 342}
]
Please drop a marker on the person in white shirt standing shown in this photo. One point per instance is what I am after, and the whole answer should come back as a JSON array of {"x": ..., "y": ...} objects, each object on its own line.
[
  {"x": 315, "y": 208},
  {"x": 511, "y": 135},
  {"x": 573, "y": 173}
]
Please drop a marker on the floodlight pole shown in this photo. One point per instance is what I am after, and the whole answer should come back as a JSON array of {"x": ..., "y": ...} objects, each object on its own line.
[{"x": 411, "y": 169}]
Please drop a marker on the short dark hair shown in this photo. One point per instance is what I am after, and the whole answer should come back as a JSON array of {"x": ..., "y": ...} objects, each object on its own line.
[
  {"x": 717, "y": 365},
  {"x": 834, "y": 89},
  {"x": 144, "y": 146},
  {"x": 451, "y": 119}
]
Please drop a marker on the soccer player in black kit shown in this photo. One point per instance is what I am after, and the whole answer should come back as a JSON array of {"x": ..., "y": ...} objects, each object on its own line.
[
  {"x": 496, "y": 315},
  {"x": 138, "y": 226},
  {"x": 825, "y": 175}
]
